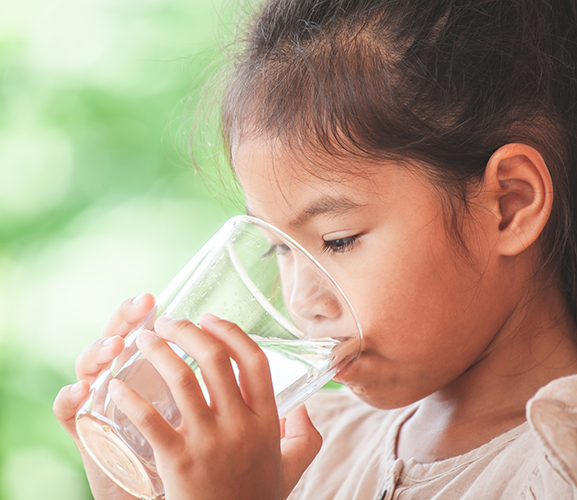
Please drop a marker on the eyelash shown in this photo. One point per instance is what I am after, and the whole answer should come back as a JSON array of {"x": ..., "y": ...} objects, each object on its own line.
[
  {"x": 279, "y": 249},
  {"x": 340, "y": 245}
]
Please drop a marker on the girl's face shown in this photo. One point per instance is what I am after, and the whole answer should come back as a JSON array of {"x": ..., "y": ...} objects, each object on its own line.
[{"x": 428, "y": 310}]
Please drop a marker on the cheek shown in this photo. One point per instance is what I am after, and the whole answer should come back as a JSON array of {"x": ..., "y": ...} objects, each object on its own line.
[{"x": 414, "y": 299}]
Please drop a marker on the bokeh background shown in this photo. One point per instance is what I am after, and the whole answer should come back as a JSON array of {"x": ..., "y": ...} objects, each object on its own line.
[{"x": 97, "y": 200}]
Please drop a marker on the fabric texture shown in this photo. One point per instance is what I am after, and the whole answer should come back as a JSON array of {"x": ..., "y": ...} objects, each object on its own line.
[{"x": 536, "y": 460}]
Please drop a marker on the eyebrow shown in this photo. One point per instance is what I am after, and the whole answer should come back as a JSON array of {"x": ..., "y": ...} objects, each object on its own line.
[{"x": 328, "y": 206}]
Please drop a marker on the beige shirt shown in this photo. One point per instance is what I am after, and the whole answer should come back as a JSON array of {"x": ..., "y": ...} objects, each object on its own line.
[{"x": 537, "y": 460}]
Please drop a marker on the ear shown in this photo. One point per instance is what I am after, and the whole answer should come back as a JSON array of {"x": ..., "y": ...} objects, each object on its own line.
[{"x": 520, "y": 191}]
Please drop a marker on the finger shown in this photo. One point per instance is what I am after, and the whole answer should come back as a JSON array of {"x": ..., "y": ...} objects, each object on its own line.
[
  {"x": 129, "y": 315},
  {"x": 96, "y": 357},
  {"x": 176, "y": 373},
  {"x": 211, "y": 356},
  {"x": 300, "y": 445},
  {"x": 159, "y": 433},
  {"x": 68, "y": 402},
  {"x": 254, "y": 371}
]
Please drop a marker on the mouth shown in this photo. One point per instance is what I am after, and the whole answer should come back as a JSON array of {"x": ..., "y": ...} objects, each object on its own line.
[
  {"x": 345, "y": 375},
  {"x": 352, "y": 375}
]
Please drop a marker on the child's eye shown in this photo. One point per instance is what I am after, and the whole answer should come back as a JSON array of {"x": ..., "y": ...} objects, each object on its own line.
[
  {"x": 282, "y": 249},
  {"x": 340, "y": 245},
  {"x": 278, "y": 249}
]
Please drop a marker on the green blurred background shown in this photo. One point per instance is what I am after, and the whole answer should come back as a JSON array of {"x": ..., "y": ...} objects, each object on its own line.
[{"x": 97, "y": 202}]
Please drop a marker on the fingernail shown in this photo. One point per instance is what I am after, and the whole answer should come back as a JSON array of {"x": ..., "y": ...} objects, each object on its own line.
[
  {"x": 138, "y": 299},
  {"x": 76, "y": 388},
  {"x": 114, "y": 385},
  {"x": 209, "y": 318},
  {"x": 145, "y": 335},
  {"x": 163, "y": 320},
  {"x": 108, "y": 341}
]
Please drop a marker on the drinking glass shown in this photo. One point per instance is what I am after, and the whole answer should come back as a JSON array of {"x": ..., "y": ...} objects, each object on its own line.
[{"x": 254, "y": 275}]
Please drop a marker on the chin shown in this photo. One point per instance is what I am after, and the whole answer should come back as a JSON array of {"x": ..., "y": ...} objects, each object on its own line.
[{"x": 378, "y": 394}]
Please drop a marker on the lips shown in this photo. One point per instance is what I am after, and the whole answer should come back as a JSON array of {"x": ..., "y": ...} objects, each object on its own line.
[
  {"x": 346, "y": 375},
  {"x": 343, "y": 379},
  {"x": 359, "y": 374}
]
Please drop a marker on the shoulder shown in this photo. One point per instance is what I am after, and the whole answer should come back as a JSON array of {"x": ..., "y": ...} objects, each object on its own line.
[
  {"x": 541, "y": 463},
  {"x": 552, "y": 415}
]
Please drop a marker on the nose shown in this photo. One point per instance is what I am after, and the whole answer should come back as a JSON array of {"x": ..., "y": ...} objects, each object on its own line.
[{"x": 312, "y": 297}]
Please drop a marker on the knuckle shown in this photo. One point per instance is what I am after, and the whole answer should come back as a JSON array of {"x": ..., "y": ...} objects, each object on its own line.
[
  {"x": 258, "y": 360},
  {"x": 228, "y": 326},
  {"x": 130, "y": 311},
  {"x": 82, "y": 364},
  {"x": 155, "y": 346},
  {"x": 151, "y": 345},
  {"x": 184, "y": 378},
  {"x": 178, "y": 329},
  {"x": 186, "y": 460},
  {"x": 215, "y": 354},
  {"x": 115, "y": 320},
  {"x": 125, "y": 306},
  {"x": 65, "y": 406},
  {"x": 146, "y": 418},
  {"x": 59, "y": 408},
  {"x": 181, "y": 325},
  {"x": 80, "y": 367}
]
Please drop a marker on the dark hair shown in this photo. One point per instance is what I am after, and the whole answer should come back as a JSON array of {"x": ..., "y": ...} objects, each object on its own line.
[{"x": 439, "y": 83}]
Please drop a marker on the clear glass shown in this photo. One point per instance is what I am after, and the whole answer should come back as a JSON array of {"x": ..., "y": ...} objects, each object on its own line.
[{"x": 254, "y": 275}]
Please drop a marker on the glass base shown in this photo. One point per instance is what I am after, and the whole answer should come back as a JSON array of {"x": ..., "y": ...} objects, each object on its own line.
[{"x": 117, "y": 460}]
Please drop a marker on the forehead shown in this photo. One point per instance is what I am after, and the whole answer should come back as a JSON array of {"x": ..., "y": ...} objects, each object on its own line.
[{"x": 281, "y": 183}]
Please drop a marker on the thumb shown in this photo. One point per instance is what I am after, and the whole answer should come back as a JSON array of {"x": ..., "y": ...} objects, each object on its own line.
[{"x": 299, "y": 446}]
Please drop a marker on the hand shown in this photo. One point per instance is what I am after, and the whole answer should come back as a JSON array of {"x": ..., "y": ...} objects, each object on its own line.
[
  {"x": 234, "y": 447},
  {"x": 93, "y": 360}
]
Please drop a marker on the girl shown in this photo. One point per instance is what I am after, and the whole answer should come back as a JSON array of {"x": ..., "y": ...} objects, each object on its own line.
[{"x": 425, "y": 152}]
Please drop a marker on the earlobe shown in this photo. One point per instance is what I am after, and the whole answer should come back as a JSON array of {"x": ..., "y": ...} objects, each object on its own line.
[{"x": 522, "y": 190}]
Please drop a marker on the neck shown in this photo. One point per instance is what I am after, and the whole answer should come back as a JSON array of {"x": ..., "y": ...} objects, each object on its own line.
[{"x": 535, "y": 345}]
